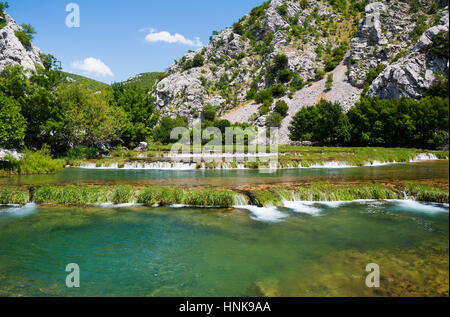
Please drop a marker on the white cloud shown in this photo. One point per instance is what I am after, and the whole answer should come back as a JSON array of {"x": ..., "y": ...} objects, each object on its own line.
[
  {"x": 93, "y": 66},
  {"x": 165, "y": 36}
]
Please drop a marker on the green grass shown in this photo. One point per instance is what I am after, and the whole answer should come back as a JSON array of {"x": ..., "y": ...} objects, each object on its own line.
[
  {"x": 288, "y": 156},
  {"x": 91, "y": 83},
  {"x": 210, "y": 197},
  {"x": 123, "y": 195},
  {"x": 145, "y": 81},
  {"x": 160, "y": 196},
  {"x": 13, "y": 196},
  {"x": 427, "y": 193},
  {"x": 73, "y": 195},
  {"x": 38, "y": 162},
  {"x": 328, "y": 192}
]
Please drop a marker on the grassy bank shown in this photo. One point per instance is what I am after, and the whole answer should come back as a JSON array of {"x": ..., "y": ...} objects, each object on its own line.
[
  {"x": 41, "y": 162},
  {"x": 37, "y": 162},
  {"x": 288, "y": 157},
  {"x": 13, "y": 196},
  {"x": 76, "y": 195},
  {"x": 90, "y": 195}
]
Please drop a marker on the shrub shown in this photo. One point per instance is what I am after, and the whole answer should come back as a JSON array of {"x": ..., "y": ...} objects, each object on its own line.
[
  {"x": 274, "y": 120},
  {"x": 209, "y": 113},
  {"x": 282, "y": 108},
  {"x": 39, "y": 162},
  {"x": 263, "y": 110},
  {"x": 439, "y": 45},
  {"x": 371, "y": 76},
  {"x": 198, "y": 61},
  {"x": 318, "y": 74},
  {"x": 278, "y": 90},
  {"x": 282, "y": 10},
  {"x": 25, "y": 35},
  {"x": 3, "y": 6},
  {"x": 329, "y": 82},
  {"x": 264, "y": 95},
  {"x": 304, "y": 4},
  {"x": 238, "y": 28},
  {"x": 285, "y": 76},
  {"x": 81, "y": 152}
]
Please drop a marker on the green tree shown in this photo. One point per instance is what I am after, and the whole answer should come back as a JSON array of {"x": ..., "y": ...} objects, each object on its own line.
[
  {"x": 88, "y": 116},
  {"x": 12, "y": 123},
  {"x": 162, "y": 132},
  {"x": 325, "y": 123},
  {"x": 139, "y": 108}
]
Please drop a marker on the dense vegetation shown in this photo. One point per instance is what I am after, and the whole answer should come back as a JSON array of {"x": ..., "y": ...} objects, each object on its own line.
[
  {"x": 45, "y": 108},
  {"x": 91, "y": 195},
  {"x": 420, "y": 123},
  {"x": 3, "y": 5}
]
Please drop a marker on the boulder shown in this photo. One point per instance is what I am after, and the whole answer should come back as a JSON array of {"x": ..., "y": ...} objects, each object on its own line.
[{"x": 142, "y": 147}]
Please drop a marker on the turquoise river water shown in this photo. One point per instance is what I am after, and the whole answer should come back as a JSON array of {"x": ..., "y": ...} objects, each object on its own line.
[{"x": 301, "y": 249}]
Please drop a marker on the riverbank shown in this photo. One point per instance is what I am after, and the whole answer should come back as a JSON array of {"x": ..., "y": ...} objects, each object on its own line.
[
  {"x": 160, "y": 158},
  {"x": 225, "y": 198},
  {"x": 286, "y": 158}
]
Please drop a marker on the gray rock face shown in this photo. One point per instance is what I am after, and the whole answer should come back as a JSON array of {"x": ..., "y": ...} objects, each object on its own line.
[
  {"x": 185, "y": 92},
  {"x": 382, "y": 34},
  {"x": 12, "y": 52},
  {"x": 413, "y": 74}
]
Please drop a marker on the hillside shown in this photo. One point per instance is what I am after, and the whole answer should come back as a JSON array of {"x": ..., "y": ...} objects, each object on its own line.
[
  {"x": 93, "y": 84},
  {"x": 145, "y": 81},
  {"x": 288, "y": 50}
]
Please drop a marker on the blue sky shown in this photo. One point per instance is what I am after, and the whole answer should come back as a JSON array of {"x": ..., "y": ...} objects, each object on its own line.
[{"x": 110, "y": 44}]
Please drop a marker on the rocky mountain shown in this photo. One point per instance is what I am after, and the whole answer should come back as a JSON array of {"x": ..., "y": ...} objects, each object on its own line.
[
  {"x": 12, "y": 50},
  {"x": 289, "y": 49}
]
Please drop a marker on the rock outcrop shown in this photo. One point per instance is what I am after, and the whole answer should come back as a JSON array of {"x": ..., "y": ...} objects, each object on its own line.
[
  {"x": 413, "y": 74},
  {"x": 233, "y": 63},
  {"x": 13, "y": 52},
  {"x": 383, "y": 33},
  {"x": 388, "y": 55}
]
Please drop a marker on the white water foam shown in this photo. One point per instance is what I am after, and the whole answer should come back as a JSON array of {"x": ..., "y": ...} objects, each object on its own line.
[
  {"x": 416, "y": 206},
  {"x": 266, "y": 214},
  {"x": 304, "y": 207},
  {"x": 180, "y": 166},
  {"x": 112, "y": 205},
  {"x": 20, "y": 211}
]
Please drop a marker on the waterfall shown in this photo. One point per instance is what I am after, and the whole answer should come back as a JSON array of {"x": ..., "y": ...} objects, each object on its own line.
[
  {"x": 240, "y": 200},
  {"x": 405, "y": 195}
]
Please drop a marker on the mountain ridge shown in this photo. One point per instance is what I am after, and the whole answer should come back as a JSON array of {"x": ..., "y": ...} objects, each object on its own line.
[{"x": 382, "y": 48}]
